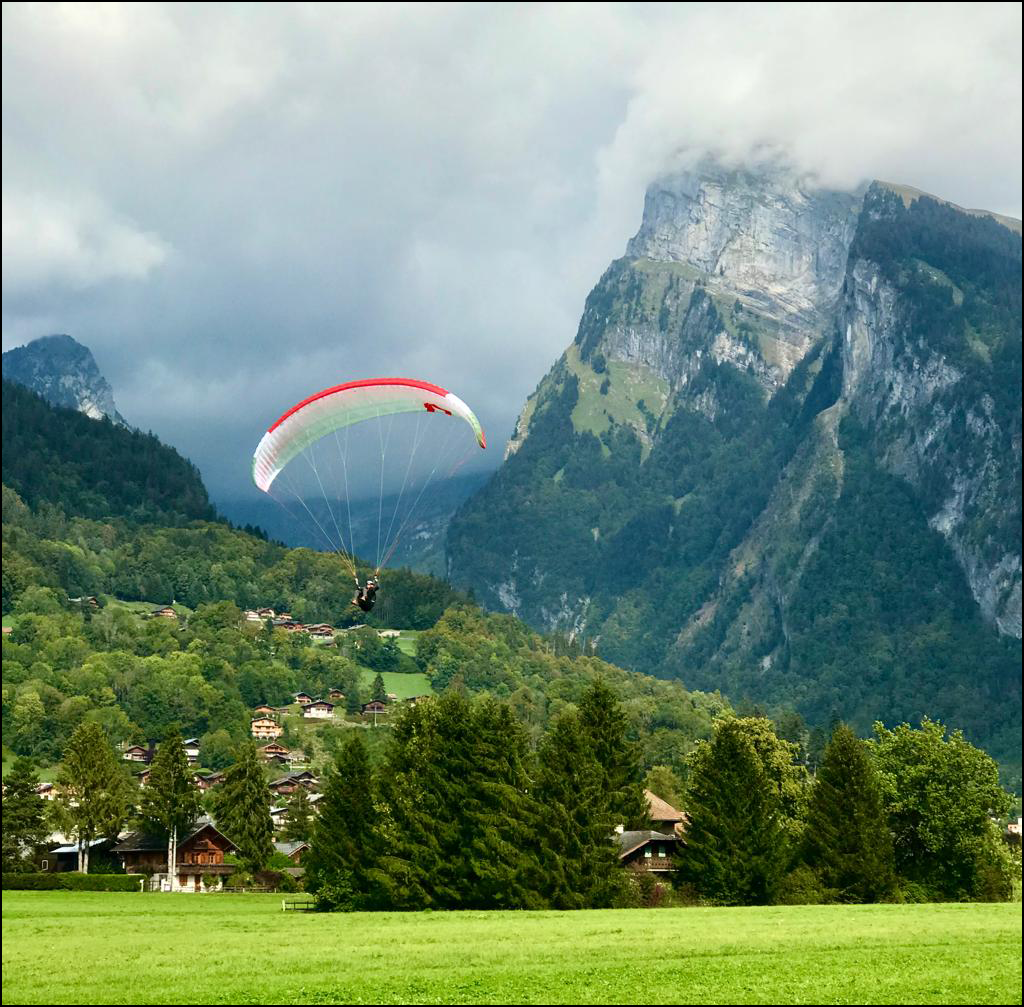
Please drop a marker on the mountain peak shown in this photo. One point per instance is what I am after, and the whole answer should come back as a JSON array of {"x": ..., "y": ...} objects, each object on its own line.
[
  {"x": 64, "y": 372},
  {"x": 766, "y": 235}
]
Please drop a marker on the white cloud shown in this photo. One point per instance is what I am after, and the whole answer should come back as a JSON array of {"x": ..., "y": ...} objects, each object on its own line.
[
  {"x": 368, "y": 189},
  {"x": 50, "y": 242}
]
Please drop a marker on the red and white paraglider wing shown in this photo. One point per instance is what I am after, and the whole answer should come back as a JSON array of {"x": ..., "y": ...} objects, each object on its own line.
[{"x": 342, "y": 406}]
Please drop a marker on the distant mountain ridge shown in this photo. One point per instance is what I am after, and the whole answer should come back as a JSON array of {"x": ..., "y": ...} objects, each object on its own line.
[
  {"x": 92, "y": 468},
  {"x": 64, "y": 372},
  {"x": 782, "y": 456}
]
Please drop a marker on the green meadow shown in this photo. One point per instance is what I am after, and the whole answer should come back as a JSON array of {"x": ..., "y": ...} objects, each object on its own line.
[{"x": 239, "y": 949}]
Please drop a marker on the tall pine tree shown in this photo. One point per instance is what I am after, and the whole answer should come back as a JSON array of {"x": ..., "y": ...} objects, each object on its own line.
[
  {"x": 24, "y": 816},
  {"x": 847, "y": 839},
  {"x": 343, "y": 849},
  {"x": 578, "y": 867},
  {"x": 736, "y": 848},
  {"x": 604, "y": 723},
  {"x": 170, "y": 802},
  {"x": 95, "y": 790},
  {"x": 242, "y": 809},
  {"x": 459, "y": 813}
]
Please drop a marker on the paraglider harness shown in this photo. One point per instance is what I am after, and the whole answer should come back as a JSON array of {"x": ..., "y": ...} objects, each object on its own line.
[{"x": 366, "y": 596}]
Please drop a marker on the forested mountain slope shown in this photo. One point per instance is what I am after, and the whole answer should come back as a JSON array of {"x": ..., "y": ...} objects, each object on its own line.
[
  {"x": 65, "y": 662},
  {"x": 782, "y": 457},
  {"x": 93, "y": 467}
]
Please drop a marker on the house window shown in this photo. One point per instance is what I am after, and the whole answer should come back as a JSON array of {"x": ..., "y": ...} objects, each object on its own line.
[
  {"x": 647, "y": 852},
  {"x": 661, "y": 852},
  {"x": 44, "y": 865}
]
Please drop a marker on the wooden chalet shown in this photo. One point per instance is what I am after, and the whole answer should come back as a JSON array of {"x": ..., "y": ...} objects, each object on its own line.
[
  {"x": 164, "y": 613},
  {"x": 138, "y": 753},
  {"x": 266, "y": 613},
  {"x": 335, "y": 695},
  {"x": 294, "y": 851},
  {"x": 275, "y": 751},
  {"x": 321, "y": 631},
  {"x": 663, "y": 816},
  {"x": 65, "y": 857},
  {"x": 200, "y": 855},
  {"x": 318, "y": 710},
  {"x": 374, "y": 708},
  {"x": 206, "y": 781},
  {"x": 265, "y": 727},
  {"x": 304, "y": 697},
  {"x": 648, "y": 850},
  {"x": 47, "y": 791},
  {"x": 86, "y": 601},
  {"x": 285, "y": 785},
  {"x": 191, "y": 746},
  {"x": 265, "y": 710}
]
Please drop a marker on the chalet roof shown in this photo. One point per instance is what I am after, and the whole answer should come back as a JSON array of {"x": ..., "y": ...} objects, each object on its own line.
[
  {"x": 73, "y": 847},
  {"x": 289, "y": 848},
  {"x": 317, "y": 702},
  {"x": 142, "y": 842},
  {"x": 632, "y": 841},
  {"x": 298, "y": 777},
  {"x": 662, "y": 811}
]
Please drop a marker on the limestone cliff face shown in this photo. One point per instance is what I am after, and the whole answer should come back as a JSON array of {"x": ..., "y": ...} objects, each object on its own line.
[
  {"x": 782, "y": 456},
  {"x": 768, "y": 237},
  {"x": 939, "y": 431},
  {"x": 63, "y": 372},
  {"x": 733, "y": 266}
]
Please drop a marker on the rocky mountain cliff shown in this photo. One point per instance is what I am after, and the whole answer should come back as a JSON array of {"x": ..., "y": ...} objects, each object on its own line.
[
  {"x": 782, "y": 456},
  {"x": 64, "y": 372}
]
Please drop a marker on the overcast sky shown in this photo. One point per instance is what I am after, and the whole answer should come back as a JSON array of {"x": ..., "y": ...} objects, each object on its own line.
[{"x": 236, "y": 205}]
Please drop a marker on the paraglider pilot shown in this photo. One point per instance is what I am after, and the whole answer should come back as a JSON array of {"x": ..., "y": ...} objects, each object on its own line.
[{"x": 366, "y": 596}]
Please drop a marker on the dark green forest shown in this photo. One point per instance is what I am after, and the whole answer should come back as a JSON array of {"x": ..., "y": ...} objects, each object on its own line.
[{"x": 95, "y": 468}]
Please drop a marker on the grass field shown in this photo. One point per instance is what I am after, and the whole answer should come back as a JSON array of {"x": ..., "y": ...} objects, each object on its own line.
[
  {"x": 61, "y": 947},
  {"x": 401, "y": 684}
]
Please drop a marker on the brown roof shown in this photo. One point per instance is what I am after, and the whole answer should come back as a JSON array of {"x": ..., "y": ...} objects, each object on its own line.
[
  {"x": 662, "y": 811},
  {"x": 141, "y": 842}
]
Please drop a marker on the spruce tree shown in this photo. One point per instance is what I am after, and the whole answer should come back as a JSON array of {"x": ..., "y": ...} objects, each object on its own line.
[
  {"x": 298, "y": 823},
  {"x": 604, "y": 722},
  {"x": 343, "y": 848},
  {"x": 578, "y": 866},
  {"x": 847, "y": 839},
  {"x": 242, "y": 809},
  {"x": 170, "y": 802},
  {"x": 459, "y": 812},
  {"x": 95, "y": 791},
  {"x": 380, "y": 692},
  {"x": 24, "y": 816},
  {"x": 736, "y": 847}
]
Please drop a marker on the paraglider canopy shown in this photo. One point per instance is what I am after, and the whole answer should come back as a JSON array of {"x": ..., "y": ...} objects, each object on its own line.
[
  {"x": 344, "y": 405},
  {"x": 430, "y": 421}
]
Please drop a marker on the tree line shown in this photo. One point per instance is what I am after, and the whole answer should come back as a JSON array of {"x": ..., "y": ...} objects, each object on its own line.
[{"x": 464, "y": 812}]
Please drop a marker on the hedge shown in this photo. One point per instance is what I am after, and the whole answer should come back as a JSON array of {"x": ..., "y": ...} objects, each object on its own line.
[{"x": 69, "y": 881}]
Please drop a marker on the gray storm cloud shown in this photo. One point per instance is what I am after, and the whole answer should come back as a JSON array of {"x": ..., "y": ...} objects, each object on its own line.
[{"x": 234, "y": 205}]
